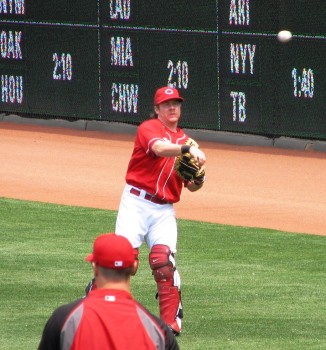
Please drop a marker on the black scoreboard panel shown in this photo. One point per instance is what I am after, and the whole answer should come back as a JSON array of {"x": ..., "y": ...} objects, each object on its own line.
[
  {"x": 66, "y": 70},
  {"x": 181, "y": 14},
  {"x": 104, "y": 60},
  {"x": 304, "y": 17},
  {"x": 50, "y": 11},
  {"x": 49, "y": 71},
  {"x": 301, "y": 88},
  {"x": 241, "y": 83},
  {"x": 13, "y": 68},
  {"x": 252, "y": 16},
  {"x": 268, "y": 87},
  {"x": 129, "y": 81}
]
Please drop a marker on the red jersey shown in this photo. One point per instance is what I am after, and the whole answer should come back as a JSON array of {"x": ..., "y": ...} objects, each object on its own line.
[
  {"x": 106, "y": 319},
  {"x": 155, "y": 175}
]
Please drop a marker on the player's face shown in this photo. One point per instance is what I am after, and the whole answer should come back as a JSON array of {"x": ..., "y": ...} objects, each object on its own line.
[{"x": 169, "y": 112}]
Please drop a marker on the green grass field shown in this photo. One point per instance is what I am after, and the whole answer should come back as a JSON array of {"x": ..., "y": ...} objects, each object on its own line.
[{"x": 243, "y": 288}]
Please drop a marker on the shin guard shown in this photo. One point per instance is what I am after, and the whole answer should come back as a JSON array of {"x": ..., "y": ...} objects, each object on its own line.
[{"x": 168, "y": 286}]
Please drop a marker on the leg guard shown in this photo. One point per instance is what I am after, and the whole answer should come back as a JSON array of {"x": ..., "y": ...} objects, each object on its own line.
[{"x": 167, "y": 278}]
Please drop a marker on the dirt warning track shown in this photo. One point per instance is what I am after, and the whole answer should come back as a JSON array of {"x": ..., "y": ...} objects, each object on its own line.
[{"x": 246, "y": 186}]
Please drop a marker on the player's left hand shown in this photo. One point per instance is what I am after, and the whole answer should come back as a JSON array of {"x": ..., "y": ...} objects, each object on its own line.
[{"x": 190, "y": 166}]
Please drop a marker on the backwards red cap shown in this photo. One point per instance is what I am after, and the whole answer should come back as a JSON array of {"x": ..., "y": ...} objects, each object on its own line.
[
  {"x": 166, "y": 93},
  {"x": 112, "y": 251}
]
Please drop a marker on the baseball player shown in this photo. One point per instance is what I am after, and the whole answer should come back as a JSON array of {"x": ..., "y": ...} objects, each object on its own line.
[
  {"x": 146, "y": 210},
  {"x": 108, "y": 318}
]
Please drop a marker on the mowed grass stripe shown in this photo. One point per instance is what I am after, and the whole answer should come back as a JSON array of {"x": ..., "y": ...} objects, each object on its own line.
[{"x": 242, "y": 288}]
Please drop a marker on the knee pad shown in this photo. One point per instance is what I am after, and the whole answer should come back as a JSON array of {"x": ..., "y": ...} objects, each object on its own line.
[{"x": 162, "y": 263}]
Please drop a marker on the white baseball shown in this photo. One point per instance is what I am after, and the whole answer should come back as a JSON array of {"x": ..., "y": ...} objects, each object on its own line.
[{"x": 284, "y": 36}]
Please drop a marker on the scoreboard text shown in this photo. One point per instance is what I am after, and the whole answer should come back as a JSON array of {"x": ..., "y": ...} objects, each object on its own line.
[{"x": 104, "y": 60}]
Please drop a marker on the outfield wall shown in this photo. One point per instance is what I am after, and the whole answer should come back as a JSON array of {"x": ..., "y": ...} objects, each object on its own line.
[{"x": 103, "y": 60}]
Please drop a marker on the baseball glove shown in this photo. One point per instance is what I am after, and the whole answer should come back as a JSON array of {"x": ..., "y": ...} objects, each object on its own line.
[{"x": 187, "y": 168}]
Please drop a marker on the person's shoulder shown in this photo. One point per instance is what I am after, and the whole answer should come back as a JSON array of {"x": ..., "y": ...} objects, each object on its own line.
[
  {"x": 71, "y": 305},
  {"x": 153, "y": 317},
  {"x": 149, "y": 122},
  {"x": 64, "y": 310},
  {"x": 150, "y": 126}
]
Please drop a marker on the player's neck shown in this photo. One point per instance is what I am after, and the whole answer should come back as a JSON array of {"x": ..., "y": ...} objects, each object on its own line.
[
  {"x": 103, "y": 283},
  {"x": 172, "y": 126}
]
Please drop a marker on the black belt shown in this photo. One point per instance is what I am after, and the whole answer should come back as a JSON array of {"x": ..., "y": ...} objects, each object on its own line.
[{"x": 148, "y": 197}]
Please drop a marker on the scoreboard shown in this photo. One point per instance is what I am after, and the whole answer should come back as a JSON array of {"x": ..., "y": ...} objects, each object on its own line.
[{"x": 104, "y": 59}]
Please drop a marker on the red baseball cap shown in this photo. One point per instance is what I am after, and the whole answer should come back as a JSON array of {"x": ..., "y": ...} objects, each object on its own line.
[
  {"x": 112, "y": 251},
  {"x": 166, "y": 93}
]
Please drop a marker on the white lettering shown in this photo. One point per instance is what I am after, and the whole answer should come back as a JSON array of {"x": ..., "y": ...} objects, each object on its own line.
[
  {"x": 239, "y": 12},
  {"x": 120, "y": 9},
  {"x": 251, "y": 51},
  {"x": 10, "y": 45},
  {"x": 234, "y": 56},
  {"x": 121, "y": 52},
  {"x": 124, "y": 98},
  {"x": 12, "y": 7},
  {"x": 240, "y": 53},
  {"x": 239, "y": 106},
  {"x": 304, "y": 84},
  {"x": 11, "y": 89}
]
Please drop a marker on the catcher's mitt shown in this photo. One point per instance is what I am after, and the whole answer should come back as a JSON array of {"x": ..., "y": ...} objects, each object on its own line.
[{"x": 186, "y": 167}]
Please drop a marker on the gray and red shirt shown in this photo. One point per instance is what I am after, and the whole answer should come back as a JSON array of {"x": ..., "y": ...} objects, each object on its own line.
[{"x": 107, "y": 319}]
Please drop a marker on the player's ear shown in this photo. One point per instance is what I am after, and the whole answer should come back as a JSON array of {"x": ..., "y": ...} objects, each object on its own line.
[
  {"x": 95, "y": 269},
  {"x": 156, "y": 109},
  {"x": 134, "y": 267}
]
